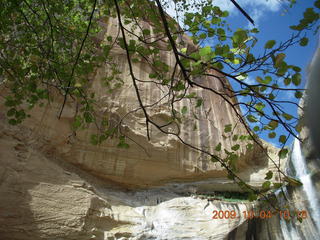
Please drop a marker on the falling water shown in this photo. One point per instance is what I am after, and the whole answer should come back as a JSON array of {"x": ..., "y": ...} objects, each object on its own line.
[
  {"x": 287, "y": 228},
  {"x": 301, "y": 169}
]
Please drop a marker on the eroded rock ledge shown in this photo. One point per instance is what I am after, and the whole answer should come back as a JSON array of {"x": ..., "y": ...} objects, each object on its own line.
[{"x": 44, "y": 197}]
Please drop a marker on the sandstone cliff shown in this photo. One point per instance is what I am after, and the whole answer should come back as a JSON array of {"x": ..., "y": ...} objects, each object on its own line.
[
  {"x": 54, "y": 184},
  {"x": 162, "y": 159},
  {"x": 43, "y": 197}
]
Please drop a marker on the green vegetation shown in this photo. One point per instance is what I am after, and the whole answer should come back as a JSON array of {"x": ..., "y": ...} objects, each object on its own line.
[{"x": 226, "y": 196}]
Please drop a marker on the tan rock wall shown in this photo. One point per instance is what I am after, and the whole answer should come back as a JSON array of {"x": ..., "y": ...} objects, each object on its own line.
[
  {"x": 43, "y": 197},
  {"x": 162, "y": 159}
]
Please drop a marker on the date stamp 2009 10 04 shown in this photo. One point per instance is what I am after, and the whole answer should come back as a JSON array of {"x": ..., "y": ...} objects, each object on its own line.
[{"x": 285, "y": 214}]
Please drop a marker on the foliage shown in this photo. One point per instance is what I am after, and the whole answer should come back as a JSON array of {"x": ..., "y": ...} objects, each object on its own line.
[{"x": 50, "y": 48}]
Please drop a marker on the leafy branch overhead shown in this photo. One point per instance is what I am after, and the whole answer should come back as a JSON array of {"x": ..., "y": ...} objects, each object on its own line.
[{"x": 52, "y": 50}]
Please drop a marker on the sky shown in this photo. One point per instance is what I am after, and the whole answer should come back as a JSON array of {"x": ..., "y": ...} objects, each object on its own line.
[{"x": 273, "y": 18}]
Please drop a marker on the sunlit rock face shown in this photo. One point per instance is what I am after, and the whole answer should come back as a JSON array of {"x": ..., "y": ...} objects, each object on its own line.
[
  {"x": 163, "y": 158},
  {"x": 44, "y": 197},
  {"x": 54, "y": 184}
]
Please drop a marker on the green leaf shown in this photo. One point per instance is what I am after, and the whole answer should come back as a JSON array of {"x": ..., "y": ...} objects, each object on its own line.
[
  {"x": 221, "y": 31},
  {"x": 225, "y": 14},
  {"x": 94, "y": 139},
  {"x": 146, "y": 31},
  {"x": 205, "y": 51},
  {"x": 252, "y": 196},
  {"x": 279, "y": 59},
  {"x": 184, "y": 110},
  {"x": 298, "y": 127},
  {"x": 293, "y": 182},
  {"x": 195, "y": 55},
  {"x": 270, "y": 44},
  {"x": 282, "y": 139},
  {"x": 266, "y": 185},
  {"x": 250, "y": 58},
  {"x": 252, "y": 118},
  {"x": 218, "y": 50},
  {"x": 214, "y": 159},
  {"x": 271, "y": 96},
  {"x": 184, "y": 50},
  {"x": 10, "y": 102},
  {"x": 283, "y": 153},
  {"x": 202, "y": 36},
  {"x": 287, "y": 81},
  {"x": 235, "y": 147},
  {"x": 227, "y": 128},
  {"x": 235, "y": 137},
  {"x": 11, "y": 112},
  {"x": 296, "y": 69},
  {"x": 191, "y": 95},
  {"x": 13, "y": 122},
  {"x": 267, "y": 80},
  {"x": 236, "y": 61},
  {"x": 304, "y": 41},
  {"x": 277, "y": 185},
  {"x": 218, "y": 147},
  {"x": 199, "y": 102},
  {"x": 269, "y": 175},
  {"x": 232, "y": 160},
  {"x": 239, "y": 37},
  {"x": 179, "y": 86},
  {"x": 273, "y": 124},
  {"x": 249, "y": 146},
  {"x": 77, "y": 122},
  {"x": 243, "y": 137},
  {"x": 296, "y": 79},
  {"x": 287, "y": 116},
  {"x": 272, "y": 135},
  {"x": 259, "y": 79},
  {"x": 88, "y": 117},
  {"x": 256, "y": 128},
  {"x": 298, "y": 94},
  {"x": 263, "y": 88},
  {"x": 215, "y": 20},
  {"x": 122, "y": 143},
  {"x": 153, "y": 75},
  {"x": 194, "y": 64},
  {"x": 259, "y": 106}
]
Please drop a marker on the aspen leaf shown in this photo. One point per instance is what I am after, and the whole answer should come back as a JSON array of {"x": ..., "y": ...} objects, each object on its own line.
[{"x": 270, "y": 44}]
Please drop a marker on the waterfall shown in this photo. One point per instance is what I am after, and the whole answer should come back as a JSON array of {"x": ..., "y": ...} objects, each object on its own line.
[
  {"x": 287, "y": 228},
  {"x": 302, "y": 173}
]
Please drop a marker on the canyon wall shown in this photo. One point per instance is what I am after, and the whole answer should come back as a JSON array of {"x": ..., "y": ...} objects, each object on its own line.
[
  {"x": 44, "y": 197},
  {"x": 163, "y": 158},
  {"x": 55, "y": 184}
]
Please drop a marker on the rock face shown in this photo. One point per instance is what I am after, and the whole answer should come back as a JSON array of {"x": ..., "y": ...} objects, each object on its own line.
[
  {"x": 54, "y": 184},
  {"x": 43, "y": 197},
  {"x": 162, "y": 159}
]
